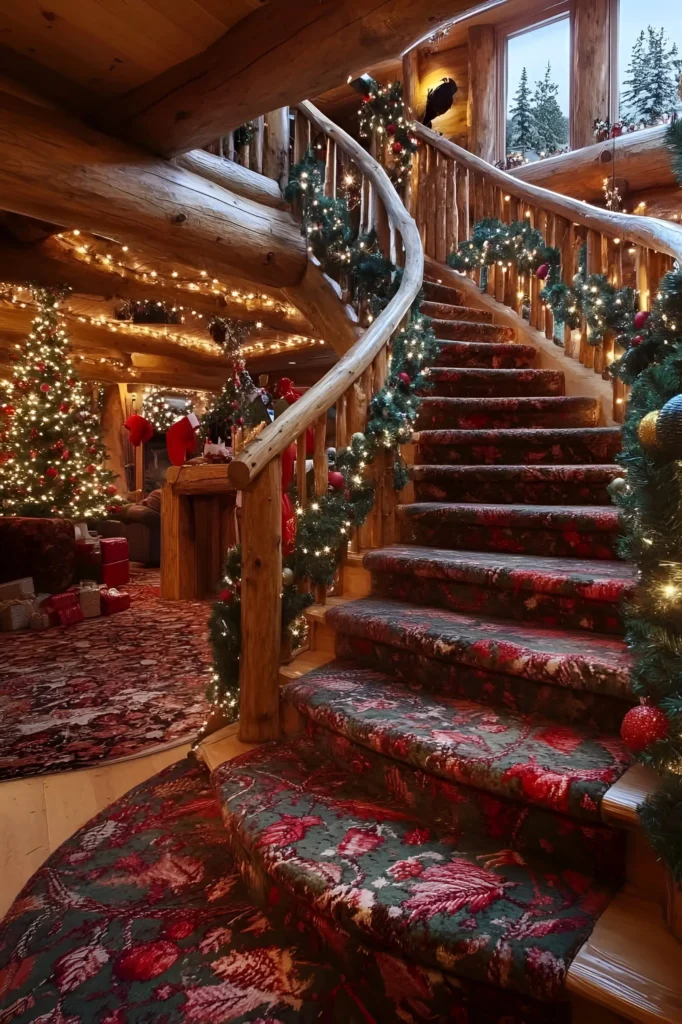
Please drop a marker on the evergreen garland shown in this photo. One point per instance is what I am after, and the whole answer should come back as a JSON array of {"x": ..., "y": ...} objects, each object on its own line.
[
  {"x": 382, "y": 109},
  {"x": 324, "y": 526}
]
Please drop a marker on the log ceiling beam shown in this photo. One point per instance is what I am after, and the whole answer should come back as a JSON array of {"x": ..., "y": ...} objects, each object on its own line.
[
  {"x": 53, "y": 263},
  {"x": 277, "y": 56},
  {"x": 54, "y": 169}
]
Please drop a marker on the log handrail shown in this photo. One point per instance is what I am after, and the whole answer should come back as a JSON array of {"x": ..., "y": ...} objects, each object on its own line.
[
  {"x": 303, "y": 414},
  {"x": 646, "y": 231}
]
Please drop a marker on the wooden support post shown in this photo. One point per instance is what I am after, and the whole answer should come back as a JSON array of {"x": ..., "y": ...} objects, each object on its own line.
[
  {"x": 178, "y": 548},
  {"x": 591, "y": 69},
  {"x": 481, "y": 110},
  {"x": 112, "y": 427},
  {"x": 261, "y": 605},
  {"x": 412, "y": 97},
  {"x": 276, "y": 146}
]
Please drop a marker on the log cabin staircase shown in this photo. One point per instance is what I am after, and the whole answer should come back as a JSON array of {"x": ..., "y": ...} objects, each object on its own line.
[{"x": 452, "y": 790}]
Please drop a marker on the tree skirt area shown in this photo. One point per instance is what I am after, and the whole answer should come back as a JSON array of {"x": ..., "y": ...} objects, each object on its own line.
[
  {"x": 141, "y": 916},
  {"x": 107, "y": 688}
]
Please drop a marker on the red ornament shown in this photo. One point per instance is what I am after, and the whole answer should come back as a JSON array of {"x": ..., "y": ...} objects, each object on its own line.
[
  {"x": 637, "y": 340},
  {"x": 71, "y": 381},
  {"x": 33, "y": 453},
  {"x": 225, "y": 595},
  {"x": 42, "y": 367},
  {"x": 66, "y": 454},
  {"x": 73, "y": 479},
  {"x": 8, "y": 410},
  {"x": 111, "y": 489},
  {"x": 52, "y": 472},
  {"x": 366, "y": 99},
  {"x": 405, "y": 379},
  {"x": 45, "y": 388},
  {"x": 64, "y": 407},
  {"x": 641, "y": 318},
  {"x": 92, "y": 451},
  {"x": 34, "y": 433},
  {"x": 391, "y": 129},
  {"x": 397, "y": 147},
  {"x": 542, "y": 271},
  {"x": 642, "y": 726},
  {"x": 90, "y": 468},
  {"x": 240, "y": 421},
  {"x": 336, "y": 480}
]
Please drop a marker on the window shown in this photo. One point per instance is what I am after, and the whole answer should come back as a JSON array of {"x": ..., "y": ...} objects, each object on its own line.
[
  {"x": 649, "y": 61},
  {"x": 537, "y": 76}
]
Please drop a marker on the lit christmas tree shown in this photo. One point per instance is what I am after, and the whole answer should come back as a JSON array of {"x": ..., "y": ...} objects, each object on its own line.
[{"x": 51, "y": 453}]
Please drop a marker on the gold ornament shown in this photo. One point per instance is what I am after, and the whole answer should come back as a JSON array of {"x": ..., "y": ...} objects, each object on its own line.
[{"x": 646, "y": 431}]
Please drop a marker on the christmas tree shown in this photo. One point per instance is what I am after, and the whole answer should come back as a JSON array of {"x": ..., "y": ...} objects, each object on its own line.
[
  {"x": 522, "y": 134},
  {"x": 652, "y": 78},
  {"x": 239, "y": 404},
  {"x": 551, "y": 127},
  {"x": 51, "y": 454}
]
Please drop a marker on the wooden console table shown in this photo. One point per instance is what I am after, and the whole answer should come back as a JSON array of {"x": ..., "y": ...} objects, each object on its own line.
[{"x": 198, "y": 525}]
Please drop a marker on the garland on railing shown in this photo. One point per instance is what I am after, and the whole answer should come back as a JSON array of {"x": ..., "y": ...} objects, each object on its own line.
[
  {"x": 649, "y": 494},
  {"x": 382, "y": 110},
  {"x": 324, "y": 526},
  {"x": 523, "y": 247}
]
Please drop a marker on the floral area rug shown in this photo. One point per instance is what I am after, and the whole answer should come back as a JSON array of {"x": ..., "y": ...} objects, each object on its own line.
[
  {"x": 106, "y": 688},
  {"x": 141, "y": 916}
]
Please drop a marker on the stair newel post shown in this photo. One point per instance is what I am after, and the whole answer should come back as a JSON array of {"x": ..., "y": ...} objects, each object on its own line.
[
  {"x": 321, "y": 473},
  {"x": 442, "y": 212},
  {"x": 276, "y": 146},
  {"x": 261, "y": 612}
]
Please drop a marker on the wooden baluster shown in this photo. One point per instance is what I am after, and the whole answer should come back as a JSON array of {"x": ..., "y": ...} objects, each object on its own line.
[
  {"x": 329, "y": 161},
  {"x": 229, "y": 147},
  {"x": 659, "y": 265},
  {"x": 276, "y": 146},
  {"x": 357, "y": 400},
  {"x": 567, "y": 275},
  {"x": 530, "y": 216},
  {"x": 513, "y": 286},
  {"x": 441, "y": 211},
  {"x": 300, "y": 137},
  {"x": 642, "y": 277},
  {"x": 489, "y": 211},
  {"x": 257, "y": 145},
  {"x": 382, "y": 227},
  {"x": 341, "y": 424},
  {"x": 501, "y": 272},
  {"x": 379, "y": 374},
  {"x": 432, "y": 170},
  {"x": 452, "y": 210},
  {"x": 261, "y": 611},
  {"x": 367, "y": 385},
  {"x": 541, "y": 224},
  {"x": 423, "y": 157},
  {"x": 321, "y": 472},
  {"x": 605, "y": 347},
  {"x": 462, "y": 203},
  {"x": 301, "y": 481},
  {"x": 616, "y": 278}
]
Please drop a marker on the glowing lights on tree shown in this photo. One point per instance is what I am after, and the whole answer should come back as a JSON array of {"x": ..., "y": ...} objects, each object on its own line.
[{"x": 163, "y": 409}]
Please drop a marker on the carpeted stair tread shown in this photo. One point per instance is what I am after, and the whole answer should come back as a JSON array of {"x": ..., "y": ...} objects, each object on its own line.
[
  {"x": 468, "y": 330},
  {"x": 457, "y": 902},
  {"x": 540, "y": 762},
  {"x": 485, "y": 413},
  {"x": 469, "y": 382},
  {"x": 495, "y": 354},
  {"x": 435, "y": 292},
  {"x": 448, "y": 311},
  {"x": 512, "y": 446},
  {"x": 583, "y": 531},
  {"x": 600, "y": 664},
  {"x": 547, "y": 485}
]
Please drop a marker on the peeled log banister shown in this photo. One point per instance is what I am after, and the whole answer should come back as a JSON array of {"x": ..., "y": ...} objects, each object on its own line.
[
  {"x": 272, "y": 441},
  {"x": 232, "y": 176},
  {"x": 645, "y": 231},
  {"x": 55, "y": 169}
]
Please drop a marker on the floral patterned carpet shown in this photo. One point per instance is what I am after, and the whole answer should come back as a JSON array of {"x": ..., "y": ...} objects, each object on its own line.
[
  {"x": 105, "y": 688},
  {"x": 142, "y": 916}
]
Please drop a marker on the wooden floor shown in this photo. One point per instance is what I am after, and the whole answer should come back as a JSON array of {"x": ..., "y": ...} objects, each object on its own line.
[{"x": 38, "y": 814}]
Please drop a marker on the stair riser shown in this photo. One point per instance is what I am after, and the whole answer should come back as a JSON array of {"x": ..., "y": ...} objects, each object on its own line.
[
  {"x": 471, "y": 383},
  {"x": 444, "y": 414},
  {"x": 443, "y": 294},
  {"x": 495, "y": 355},
  {"x": 446, "y": 311},
  {"x": 487, "y": 686},
  {"x": 464, "y": 330},
  {"x": 512, "y": 540},
  {"x": 526, "y": 606},
  {"x": 477, "y": 488},
  {"x": 529, "y": 831},
  {"x": 515, "y": 454}
]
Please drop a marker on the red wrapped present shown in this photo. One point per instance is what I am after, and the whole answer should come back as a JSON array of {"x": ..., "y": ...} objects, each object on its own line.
[
  {"x": 88, "y": 560},
  {"x": 114, "y": 549},
  {"x": 69, "y": 616},
  {"x": 58, "y": 602},
  {"x": 116, "y": 573},
  {"x": 114, "y": 601}
]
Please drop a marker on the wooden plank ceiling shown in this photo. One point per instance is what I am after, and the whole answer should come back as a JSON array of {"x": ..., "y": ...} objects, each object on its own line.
[{"x": 106, "y": 47}]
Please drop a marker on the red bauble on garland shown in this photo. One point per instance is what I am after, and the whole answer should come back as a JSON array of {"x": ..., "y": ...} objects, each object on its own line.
[
  {"x": 66, "y": 454},
  {"x": 542, "y": 271},
  {"x": 226, "y": 595},
  {"x": 45, "y": 388},
  {"x": 397, "y": 147},
  {"x": 52, "y": 472},
  {"x": 64, "y": 407},
  {"x": 391, "y": 129},
  {"x": 404, "y": 378},
  {"x": 336, "y": 480},
  {"x": 90, "y": 468},
  {"x": 643, "y": 726},
  {"x": 641, "y": 318},
  {"x": 637, "y": 340},
  {"x": 8, "y": 410},
  {"x": 111, "y": 489}
]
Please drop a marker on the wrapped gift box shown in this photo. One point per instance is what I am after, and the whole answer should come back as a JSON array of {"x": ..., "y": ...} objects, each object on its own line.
[
  {"x": 69, "y": 616},
  {"x": 41, "y": 548},
  {"x": 114, "y": 549},
  {"x": 88, "y": 559},
  {"x": 114, "y": 601},
  {"x": 58, "y": 602},
  {"x": 15, "y": 613},
  {"x": 114, "y": 574},
  {"x": 39, "y": 620},
  {"x": 88, "y": 596},
  {"x": 22, "y": 588}
]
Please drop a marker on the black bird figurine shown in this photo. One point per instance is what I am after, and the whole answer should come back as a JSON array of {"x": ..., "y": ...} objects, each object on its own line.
[{"x": 439, "y": 100}]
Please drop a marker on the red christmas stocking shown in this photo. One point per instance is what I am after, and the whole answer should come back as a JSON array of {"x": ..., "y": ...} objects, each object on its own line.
[
  {"x": 181, "y": 439},
  {"x": 141, "y": 430}
]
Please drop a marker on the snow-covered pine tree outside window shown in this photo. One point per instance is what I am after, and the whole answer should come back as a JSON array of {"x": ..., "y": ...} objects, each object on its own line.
[
  {"x": 649, "y": 61},
  {"x": 537, "y": 102}
]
